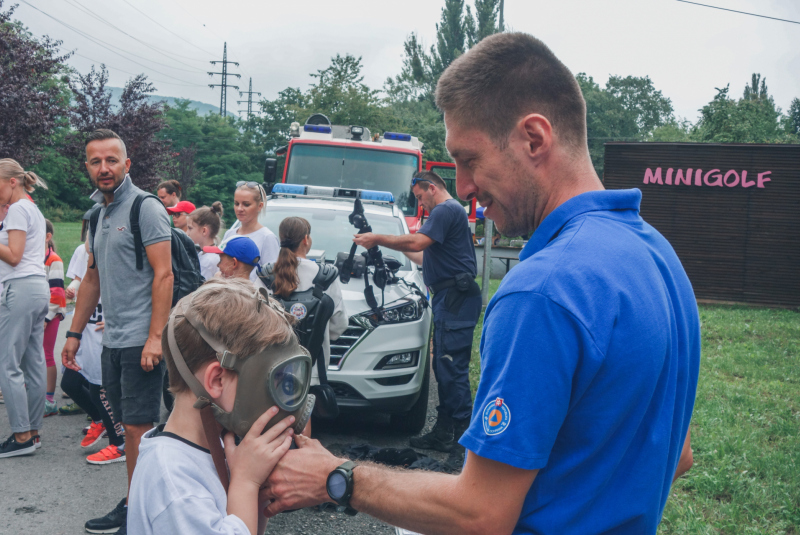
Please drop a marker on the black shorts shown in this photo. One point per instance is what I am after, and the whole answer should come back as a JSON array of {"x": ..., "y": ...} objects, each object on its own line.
[{"x": 135, "y": 394}]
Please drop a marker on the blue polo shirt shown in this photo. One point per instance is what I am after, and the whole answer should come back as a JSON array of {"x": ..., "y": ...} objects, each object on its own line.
[{"x": 590, "y": 354}]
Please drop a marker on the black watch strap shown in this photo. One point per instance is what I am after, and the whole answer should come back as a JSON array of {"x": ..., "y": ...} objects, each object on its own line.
[
  {"x": 346, "y": 469},
  {"x": 73, "y": 334}
]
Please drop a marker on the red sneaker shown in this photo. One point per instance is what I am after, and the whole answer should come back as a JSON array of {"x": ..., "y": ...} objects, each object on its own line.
[
  {"x": 96, "y": 432},
  {"x": 108, "y": 455}
]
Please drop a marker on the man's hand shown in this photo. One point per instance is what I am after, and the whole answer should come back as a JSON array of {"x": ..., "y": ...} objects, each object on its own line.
[
  {"x": 69, "y": 293},
  {"x": 151, "y": 354},
  {"x": 368, "y": 240},
  {"x": 299, "y": 479},
  {"x": 68, "y": 354}
]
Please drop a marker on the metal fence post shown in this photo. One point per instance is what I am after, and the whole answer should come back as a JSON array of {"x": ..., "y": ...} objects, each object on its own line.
[{"x": 488, "y": 234}]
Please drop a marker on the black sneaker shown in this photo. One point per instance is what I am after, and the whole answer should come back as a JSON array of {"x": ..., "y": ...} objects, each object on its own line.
[
  {"x": 113, "y": 522},
  {"x": 12, "y": 448},
  {"x": 440, "y": 438}
]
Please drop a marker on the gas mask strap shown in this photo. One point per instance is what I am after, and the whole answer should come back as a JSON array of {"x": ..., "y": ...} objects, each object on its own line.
[
  {"x": 213, "y": 430},
  {"x": 225, "y": 357},
  {"x": 203, "y": 397}
]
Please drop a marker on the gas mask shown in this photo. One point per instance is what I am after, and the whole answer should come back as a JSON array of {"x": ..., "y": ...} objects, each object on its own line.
[{"x": 278, "y": 375}]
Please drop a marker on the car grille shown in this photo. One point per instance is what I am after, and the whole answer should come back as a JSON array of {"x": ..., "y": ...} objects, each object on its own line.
[{"x": 340, "y": 347}]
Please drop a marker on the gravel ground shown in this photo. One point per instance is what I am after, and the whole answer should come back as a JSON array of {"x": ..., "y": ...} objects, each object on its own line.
[{"x": 55, "y": 490}]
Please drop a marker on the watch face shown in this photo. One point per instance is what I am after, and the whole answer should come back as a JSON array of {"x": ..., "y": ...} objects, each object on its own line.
[{"x": 337, "y": 485}]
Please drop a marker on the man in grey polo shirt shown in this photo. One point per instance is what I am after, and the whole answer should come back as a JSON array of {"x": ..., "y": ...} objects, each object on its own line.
[{"x": 136, "y": 303}]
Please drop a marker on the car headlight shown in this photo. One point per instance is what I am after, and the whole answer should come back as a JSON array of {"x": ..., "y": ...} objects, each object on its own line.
[{"x": 409, "y": 308}]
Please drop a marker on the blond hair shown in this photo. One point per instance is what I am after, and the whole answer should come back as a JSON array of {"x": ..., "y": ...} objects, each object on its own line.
[
  {"x": 11, "y": 169},
  {"x": 231, "y": 313}
]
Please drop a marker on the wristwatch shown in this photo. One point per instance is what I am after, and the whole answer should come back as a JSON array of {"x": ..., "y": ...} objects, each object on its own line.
[
  {"x": 73, "y": 334},
  {"x": 340, "y": 486}
]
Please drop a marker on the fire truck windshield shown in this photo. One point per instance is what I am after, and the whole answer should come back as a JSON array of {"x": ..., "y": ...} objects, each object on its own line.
[{"x": 346, "y": 167}]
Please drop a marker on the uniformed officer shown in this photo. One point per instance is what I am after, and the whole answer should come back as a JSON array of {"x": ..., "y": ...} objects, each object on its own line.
[{"x": 443, "y": 246}]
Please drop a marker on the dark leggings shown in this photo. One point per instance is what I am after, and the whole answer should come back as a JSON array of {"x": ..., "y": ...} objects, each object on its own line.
[{"x": 92, "y": 399}]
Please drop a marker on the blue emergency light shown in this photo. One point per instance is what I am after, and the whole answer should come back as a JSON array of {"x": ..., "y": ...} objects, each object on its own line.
[
  {"x": 372, "y": 195},
  {"x": 289, "y": 189},
  {"x": 319, "y": 129},
  {"x": 397, "y": 137},
  {"x": 326, "y": 191}
]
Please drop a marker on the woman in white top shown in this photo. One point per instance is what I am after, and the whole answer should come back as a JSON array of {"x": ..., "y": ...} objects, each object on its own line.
[
  {"x": 23, "y": 307},
  {"x": 248, "y": 202},
  {"x": 203, "y": 227},
  {"x": 294, "y": 272}
]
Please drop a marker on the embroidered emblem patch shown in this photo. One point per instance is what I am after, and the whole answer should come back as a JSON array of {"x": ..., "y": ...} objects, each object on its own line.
[
  {"x": 298, "y": 310},
  {"x": 496, "y": 417},
  {"x": 121, "y": 229}
]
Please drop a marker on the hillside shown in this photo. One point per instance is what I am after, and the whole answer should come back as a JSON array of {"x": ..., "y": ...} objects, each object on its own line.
[{"x": 201, "y": 107}]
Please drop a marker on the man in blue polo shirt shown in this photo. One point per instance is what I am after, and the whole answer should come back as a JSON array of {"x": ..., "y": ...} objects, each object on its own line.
[{"x": 590, "y": 348}]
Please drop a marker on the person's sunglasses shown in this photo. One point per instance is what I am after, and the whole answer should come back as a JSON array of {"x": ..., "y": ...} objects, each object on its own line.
[
  {"x": 417, "y": 180},
  {"x": 249, "y": 184}
]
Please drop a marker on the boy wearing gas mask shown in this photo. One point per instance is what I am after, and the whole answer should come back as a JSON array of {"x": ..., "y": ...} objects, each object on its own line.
[{"x": 234, "y": 364}]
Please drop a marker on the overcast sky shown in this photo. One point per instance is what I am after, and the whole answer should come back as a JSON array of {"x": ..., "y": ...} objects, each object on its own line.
[{"x": 687, "y": 50}]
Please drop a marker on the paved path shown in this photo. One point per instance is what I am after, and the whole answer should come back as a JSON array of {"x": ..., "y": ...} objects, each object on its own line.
[{"x": 55, "y": 491}]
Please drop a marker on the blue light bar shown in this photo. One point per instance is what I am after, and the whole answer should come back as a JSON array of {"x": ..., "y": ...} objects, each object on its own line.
[
  {"x": 319, "y": 129},
  {"x": 397, "y": 137},
  {"x": 382, "y": 196},
  {"x": 289, "y": 189}
]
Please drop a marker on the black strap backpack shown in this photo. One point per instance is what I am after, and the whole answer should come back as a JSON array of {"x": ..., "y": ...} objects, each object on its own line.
[
  {"x": 312, "y": 308},
  {"x": 185, "y": 262}
]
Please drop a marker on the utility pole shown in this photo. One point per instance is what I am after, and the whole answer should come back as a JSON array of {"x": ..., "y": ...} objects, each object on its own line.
[
  {"x": 486, "y": 276},
  {"x": 223, "y": 99},
  {"x": 249, "y": 100},
  {"x": 502, "y": 27}
]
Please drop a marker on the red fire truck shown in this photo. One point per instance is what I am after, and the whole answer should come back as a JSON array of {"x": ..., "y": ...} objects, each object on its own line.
[{"x": 322, "y": 154}]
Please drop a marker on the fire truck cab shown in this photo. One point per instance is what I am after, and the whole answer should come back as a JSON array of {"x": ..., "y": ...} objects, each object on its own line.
[{"x": 322, "y": 154}]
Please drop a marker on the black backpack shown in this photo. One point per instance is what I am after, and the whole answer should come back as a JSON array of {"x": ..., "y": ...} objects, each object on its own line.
[
  {"x": 313, "y": 309},
  {"x": 185, "y": 262}
]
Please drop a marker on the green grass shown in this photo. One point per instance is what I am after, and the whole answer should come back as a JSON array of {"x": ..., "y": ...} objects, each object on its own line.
[
  {"x": 67, "y": 237},
  {"x": 745, "y": 427}
]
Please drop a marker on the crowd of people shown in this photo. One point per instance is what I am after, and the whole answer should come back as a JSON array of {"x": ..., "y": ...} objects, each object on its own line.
[{"x": 596, "y": 362}]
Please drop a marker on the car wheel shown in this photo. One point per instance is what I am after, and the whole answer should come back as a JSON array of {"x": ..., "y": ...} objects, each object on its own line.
[{"x": 415, "y": 418}]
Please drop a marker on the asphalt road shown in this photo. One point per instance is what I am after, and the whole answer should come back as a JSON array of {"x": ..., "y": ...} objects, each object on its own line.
[{"x": 55, "y": 490}]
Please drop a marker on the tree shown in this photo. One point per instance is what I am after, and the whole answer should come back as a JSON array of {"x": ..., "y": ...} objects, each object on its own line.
[
  {"x": 485, "y": 24},
  {"x": 648, "y": 107},
  {"x": 137, "y": 122},
  {"x": 451, "y": 36},
  {"x": 33, "y": 96},
  {"x": 792, "y": 121}
]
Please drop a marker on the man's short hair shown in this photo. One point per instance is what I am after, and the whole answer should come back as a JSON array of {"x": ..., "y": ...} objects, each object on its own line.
[
  {"x": 430, "y": 176},
  {"x": 505, "y": 77},
  {"x": 104, "y": 133}
]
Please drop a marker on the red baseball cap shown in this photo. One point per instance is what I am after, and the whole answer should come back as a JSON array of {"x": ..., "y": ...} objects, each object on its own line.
[{"x": 182, "y": 206}]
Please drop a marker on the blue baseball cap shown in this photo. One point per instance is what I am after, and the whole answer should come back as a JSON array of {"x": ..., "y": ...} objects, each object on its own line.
[{"x": 241, "y": 248}]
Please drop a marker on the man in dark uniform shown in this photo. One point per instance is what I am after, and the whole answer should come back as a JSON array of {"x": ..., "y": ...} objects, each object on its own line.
[{"x": 444, "y": 248}]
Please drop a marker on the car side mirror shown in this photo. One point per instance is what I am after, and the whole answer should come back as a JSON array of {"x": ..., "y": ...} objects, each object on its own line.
[{"x": 270, "y": 172}]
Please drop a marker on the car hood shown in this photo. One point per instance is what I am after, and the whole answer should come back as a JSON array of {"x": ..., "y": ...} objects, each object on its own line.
[{"x": 356, "y": 303}]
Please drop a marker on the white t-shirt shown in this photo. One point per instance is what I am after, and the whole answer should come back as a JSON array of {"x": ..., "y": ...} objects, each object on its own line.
[
  {"x": 306, "y": 271},
  {"x": 208, "y": 264},
  {"x": 23, "y": 215},
  {"x": 176, "y": 489},
  {"x": 267, "y": 243},
  {"x": 88, "y": 355}
]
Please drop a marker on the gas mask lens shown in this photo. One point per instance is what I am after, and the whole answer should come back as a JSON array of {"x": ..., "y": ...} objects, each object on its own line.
[{"x": 289, "y": 383}]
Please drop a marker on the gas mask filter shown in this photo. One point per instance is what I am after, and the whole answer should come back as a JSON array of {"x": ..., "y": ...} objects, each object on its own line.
[{"x": 278, "y": 375}]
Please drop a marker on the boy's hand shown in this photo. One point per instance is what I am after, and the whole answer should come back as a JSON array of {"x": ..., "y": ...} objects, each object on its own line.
[{"x": 256, "y": 455}]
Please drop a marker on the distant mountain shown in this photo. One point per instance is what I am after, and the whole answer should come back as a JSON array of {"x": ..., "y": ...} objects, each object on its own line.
[{"x": 201, "y": 107}]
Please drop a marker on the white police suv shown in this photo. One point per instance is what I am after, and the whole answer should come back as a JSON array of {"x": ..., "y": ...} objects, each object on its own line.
[{"x": 382, "y": 361}]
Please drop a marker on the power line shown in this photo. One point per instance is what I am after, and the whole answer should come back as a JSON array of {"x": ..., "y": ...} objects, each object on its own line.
[
  {"x": 249, "y": 100},
  {"x": 133, "y": 73},
  {"x": 740, "y": 12},
  {"x": 170, "y": 31},
  {"x": 105, "y": 45},
  {"x": 101, "y": 19},
  {"x": 223, "y": 99}
]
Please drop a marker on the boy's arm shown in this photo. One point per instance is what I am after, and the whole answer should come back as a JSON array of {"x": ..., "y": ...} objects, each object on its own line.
[{"x": 243, "y": 502}]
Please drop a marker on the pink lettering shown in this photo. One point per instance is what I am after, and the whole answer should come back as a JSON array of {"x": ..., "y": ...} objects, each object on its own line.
[
  {"x": 679, "y": 177},
  {"x": 717, "y": 177},
  {"x": 762, "y": 177},
  {"x": 650, "y": 178},
  {"x": 698, "y": 175},
  {"x": 669, "y": 176},
  {"x": 732, "y": 172},
  {"x": 747, "y": 183}
]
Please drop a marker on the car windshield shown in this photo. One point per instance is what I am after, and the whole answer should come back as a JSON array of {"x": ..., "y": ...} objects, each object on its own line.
[
  {"x": 345, "y": 167},
  {"x": 331, "y": 230}
]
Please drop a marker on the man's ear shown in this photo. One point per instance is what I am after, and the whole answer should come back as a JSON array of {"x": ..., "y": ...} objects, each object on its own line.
[
  {"x": 127, "y": 165},
  {"x": 212, "y": 379},
  {"x": 535, "y": 132}
]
